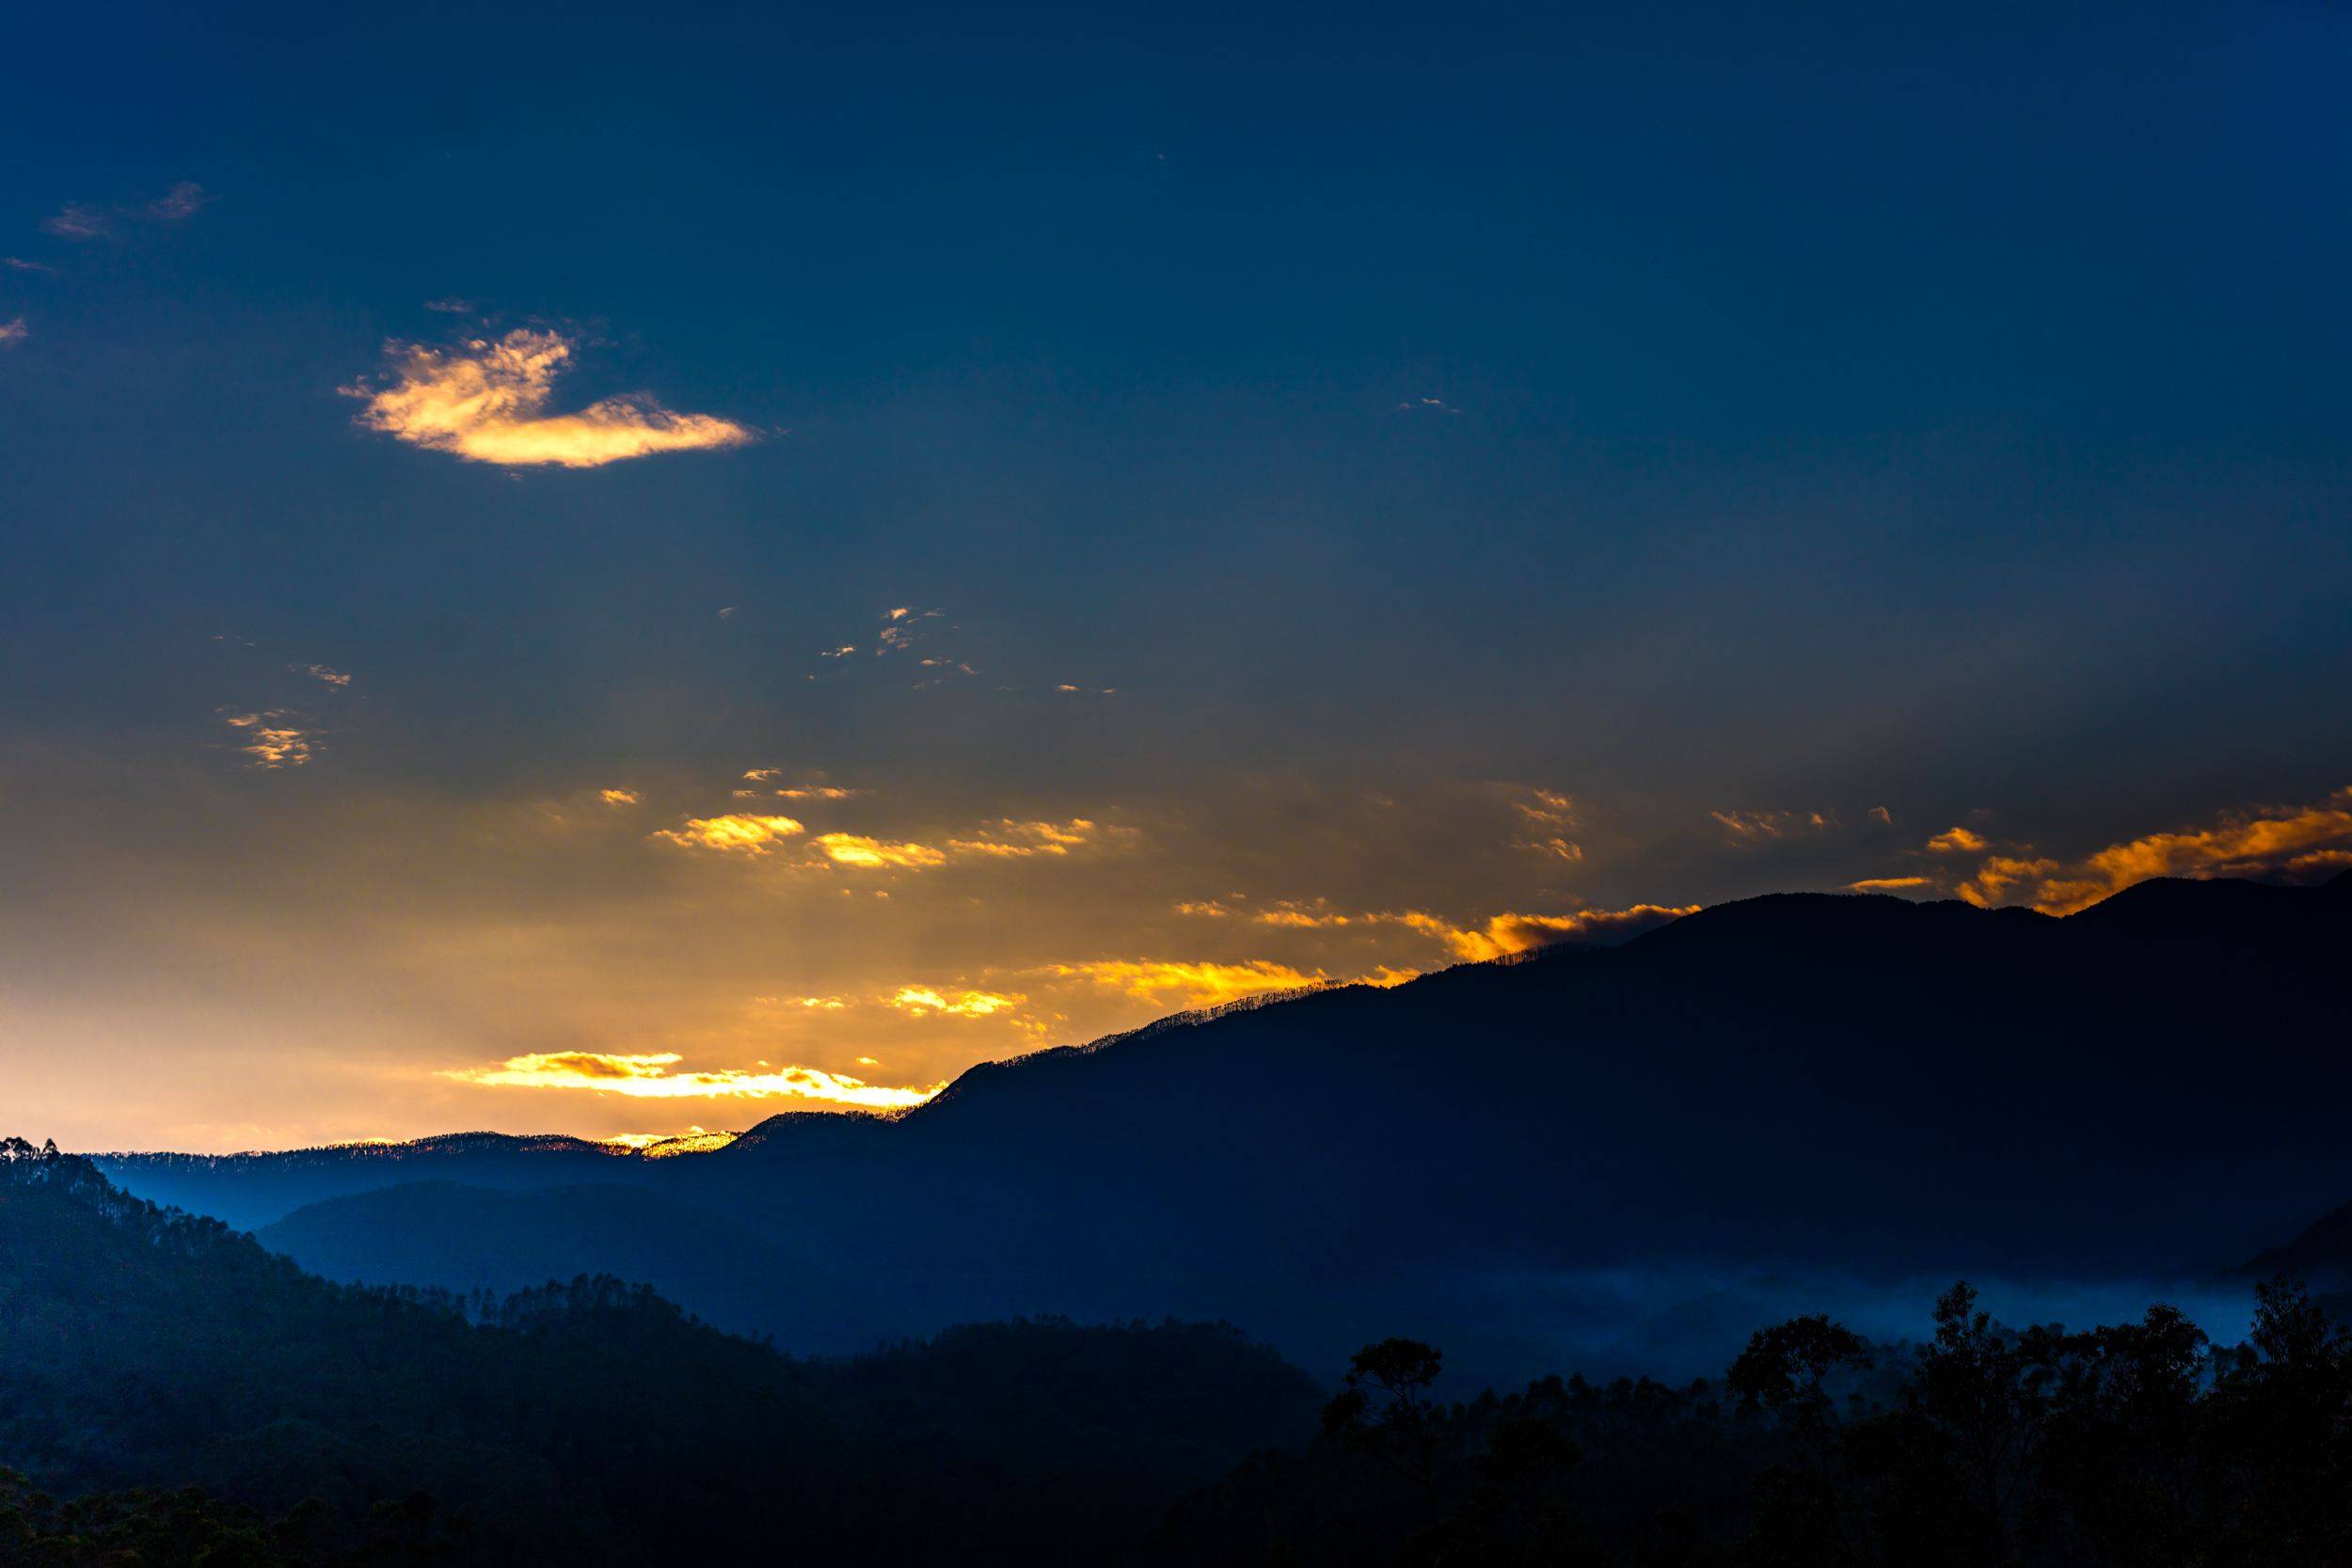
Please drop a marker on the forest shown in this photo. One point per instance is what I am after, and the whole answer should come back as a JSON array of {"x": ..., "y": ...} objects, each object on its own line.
[{"x": 172, "y": 1394}]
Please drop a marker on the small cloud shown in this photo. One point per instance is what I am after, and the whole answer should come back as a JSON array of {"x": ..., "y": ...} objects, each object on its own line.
[
  {"x": 1426, "y": 406},
  {"x": 18, "y": 264},
  {"x": 1886, "y": 884},
  {"x": 923, "y": 1001},
  {"x": 451, "y": 306},
  {"x": 862, "y": 853},
  {"x": 270, "y": 739},
  {"x": 1956, "y": 841},
  {"x": 1880, "y": 814},
  {"x": 14, "y": 332},
  {"x": 727, "y": 612},
  {"x": 902, "y": 629},
  {"x": 486, "y": 402},
  {"x": 322, "y": 672},
  {"x": 1758, "y": 826},
  {"x": 816, "y": 792},
  {"x": 735, "y": 832},
  {"x": 1205, "y": 908},
  {"x": 842, "y": 652},
  {"x": 78, "y": 221},
  {"x": 182, "y": 201},
  {"x": 619, "y": 796}
]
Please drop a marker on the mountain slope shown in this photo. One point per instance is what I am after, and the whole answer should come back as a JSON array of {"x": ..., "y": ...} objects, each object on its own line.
[{"x": 1812, "y": 1083}]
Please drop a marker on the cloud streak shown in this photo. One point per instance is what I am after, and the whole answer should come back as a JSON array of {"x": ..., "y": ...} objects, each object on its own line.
[
  {"x": 487, "y": 401},
  {"x": 651, "y": 1076}
]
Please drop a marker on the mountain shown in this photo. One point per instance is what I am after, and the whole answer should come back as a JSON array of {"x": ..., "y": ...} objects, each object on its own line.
[
  {"x": 588, "y": 1422},
  {"x": 1803, "y": 1084}
]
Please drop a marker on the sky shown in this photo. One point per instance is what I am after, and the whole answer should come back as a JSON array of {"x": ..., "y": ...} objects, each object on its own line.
[{"x": 583, "y": 569}]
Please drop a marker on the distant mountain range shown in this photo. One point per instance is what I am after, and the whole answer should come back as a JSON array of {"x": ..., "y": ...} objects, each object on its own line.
[{"x": 1799, "y": 1086}]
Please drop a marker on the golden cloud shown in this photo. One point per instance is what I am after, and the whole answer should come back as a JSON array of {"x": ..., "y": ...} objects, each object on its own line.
[
  {"x": 1886, "y": 884},
  {"x": 486, "y": 402},
  {"x": 1507, "y": 934},
  {"x": 618, "y": 797},
  {"x": 872, "y": 854},
  {"x": 922, "y": 1001},
  {"x": 1755, "y": 827},
  {"x": 650, "y": 1076},
  {"x": 1201, "y": 985},
  {"x": 736, "y": 831},
  {"x": 1956, "y": 841},
  {"x": 269, "y": 739},
  {"x": 1009, "y": 839}
]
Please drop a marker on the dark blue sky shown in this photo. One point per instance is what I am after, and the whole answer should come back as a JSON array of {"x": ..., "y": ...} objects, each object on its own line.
[{"x": 1720, "y": 420}]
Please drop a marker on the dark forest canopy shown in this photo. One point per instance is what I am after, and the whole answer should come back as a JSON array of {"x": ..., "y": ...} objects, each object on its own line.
[{"x": 170, "y": 1390}]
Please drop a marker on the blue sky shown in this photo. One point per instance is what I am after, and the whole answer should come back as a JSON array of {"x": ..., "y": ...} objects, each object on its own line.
[{"x": 1783, "y": 441}]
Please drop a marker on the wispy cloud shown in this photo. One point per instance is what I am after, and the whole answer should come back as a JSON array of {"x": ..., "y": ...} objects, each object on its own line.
[
  {"x": 652, "y": 1076},
  {"x": 736, "y": 832},
  {"x": 81, "y": 221},
  {"x": 14, "y": 332},
  {"x": 1501, "y": 936},
  {"x": 18, "y": 264},
  {"x": 78, "y": 220},
  {"x": 924, "y": 1001},
  {"x": 619, "y": 796},
  {"x": 486, "y": 402},
  {"x": 1956, "y": 841},
  {"x": 1746, "y": 828},
  {"x": 863, "y": 853},
  {"x": 183, "y": 201},
  {"x": 1887, "y": 884},
  {"x": 271, "y": 738},
  {"x": 323, "y": 673}
]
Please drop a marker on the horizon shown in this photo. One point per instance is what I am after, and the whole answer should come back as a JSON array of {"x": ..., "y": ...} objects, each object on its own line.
[{"x": 696, "y": 1139}]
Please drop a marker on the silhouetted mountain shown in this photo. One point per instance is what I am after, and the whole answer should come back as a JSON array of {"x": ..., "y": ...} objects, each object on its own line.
[
  {"x": 583, "y": 1423},
  {"x": 1796, "y": 1082}
]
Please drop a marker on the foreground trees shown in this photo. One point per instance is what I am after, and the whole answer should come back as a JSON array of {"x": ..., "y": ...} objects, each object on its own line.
[{"x": 2137, "y": 1445}]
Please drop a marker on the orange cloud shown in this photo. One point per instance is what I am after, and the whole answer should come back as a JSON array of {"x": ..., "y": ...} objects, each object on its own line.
[
  {"x": 270, "y": 740},
  {"x": 486, "y": 402},
  {"x": 618, "y": 797},
  {"x": 1886, "y": 884},
  {"x": 1508, "y": 934},
  {"x": 649, "y": 1076},
  {"x": 748, "y": 834},
  {"x": 1956, "y": 841},
  {"x": 2260, "y": 841}
]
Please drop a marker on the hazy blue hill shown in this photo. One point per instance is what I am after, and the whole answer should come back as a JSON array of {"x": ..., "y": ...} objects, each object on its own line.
[
  {"x": 248, "y": 1191},
  {"x": 466, "y": 1239}
]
